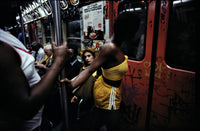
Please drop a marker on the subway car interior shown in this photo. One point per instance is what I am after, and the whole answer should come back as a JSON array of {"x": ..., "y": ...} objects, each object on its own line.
[{"x": 161, "y": 89}]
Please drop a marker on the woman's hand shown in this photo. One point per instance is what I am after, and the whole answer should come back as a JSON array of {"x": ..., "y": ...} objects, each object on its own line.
[
  {"x": 74, "y": 99},
  {"x": 67, "y": 82}
]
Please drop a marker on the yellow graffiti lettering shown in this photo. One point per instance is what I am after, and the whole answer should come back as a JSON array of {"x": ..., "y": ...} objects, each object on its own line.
[
  {"x": 160, "y": 70},
  {"x": 147, "y": 66}
]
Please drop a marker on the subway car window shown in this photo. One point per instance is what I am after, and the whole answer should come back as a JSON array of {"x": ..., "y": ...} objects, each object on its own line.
[
  {"x": 47, "y": 28},
  {"x": 183, "y": 32},
  {"x": 39, "y": 31},
  {"x": 73, "y": 33},
  {"x": 135, "y": 50},
  {"x": 73, "y": 29}
]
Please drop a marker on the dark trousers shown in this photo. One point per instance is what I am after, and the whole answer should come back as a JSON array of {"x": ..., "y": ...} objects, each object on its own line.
[{"x": 105, "y": 118}]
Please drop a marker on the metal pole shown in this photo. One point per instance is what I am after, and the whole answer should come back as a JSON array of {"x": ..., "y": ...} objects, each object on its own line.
[
  {"x": 58, "y": 41},
  {"x": 22, "y": 27},
  {"x": 153, "y": 66}
]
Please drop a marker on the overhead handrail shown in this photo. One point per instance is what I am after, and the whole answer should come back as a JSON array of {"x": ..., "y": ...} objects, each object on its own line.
[{"x": 63, "y": 4}]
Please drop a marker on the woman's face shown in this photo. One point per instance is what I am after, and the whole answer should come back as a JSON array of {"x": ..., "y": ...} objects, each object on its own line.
[{"x": 88, "y": 58}]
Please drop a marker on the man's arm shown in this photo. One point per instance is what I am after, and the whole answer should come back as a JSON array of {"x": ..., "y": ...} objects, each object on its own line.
[
  {"x": 14, "y": 87},
  {"x": 15, "y": 90}
]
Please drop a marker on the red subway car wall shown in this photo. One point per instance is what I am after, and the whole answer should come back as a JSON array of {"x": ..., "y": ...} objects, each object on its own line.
[{"x": 158, "y": 90}]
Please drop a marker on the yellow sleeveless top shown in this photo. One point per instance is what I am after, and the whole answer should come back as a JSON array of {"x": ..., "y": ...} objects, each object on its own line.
[{"x": 106, "y": 96}]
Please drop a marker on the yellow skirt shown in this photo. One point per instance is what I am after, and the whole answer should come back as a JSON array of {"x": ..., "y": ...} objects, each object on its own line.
[{"x": 105, "y": 96}]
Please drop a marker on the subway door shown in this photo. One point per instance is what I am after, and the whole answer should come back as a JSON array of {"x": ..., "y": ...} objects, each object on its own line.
[
  {"x": 173, "y": 96},
  {"x": 135, "y": 84}
]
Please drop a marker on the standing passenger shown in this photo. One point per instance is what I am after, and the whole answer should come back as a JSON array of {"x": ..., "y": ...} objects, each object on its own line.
[
  {"x": 23, "y": 93},
  {"x": 72, "y": 69},
  {"x": 21, "y": 86},
  {"x": 73, "y": 66},
  {"x": 106, "y": 91}
]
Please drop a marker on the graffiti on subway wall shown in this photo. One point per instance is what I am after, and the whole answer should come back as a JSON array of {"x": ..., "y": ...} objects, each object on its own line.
[{"x": 172, "y": 98}]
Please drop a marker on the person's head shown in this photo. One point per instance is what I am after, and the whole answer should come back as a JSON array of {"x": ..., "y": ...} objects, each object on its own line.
[
  {"x": 73, "y": 52},
  {"x": 88, "y": 55},
  {"x": 20, "y": 37},
  {"x": 36, "y": 46},
  {"x": 48, "y": 50},
  {"x": 125, "y": 27}
]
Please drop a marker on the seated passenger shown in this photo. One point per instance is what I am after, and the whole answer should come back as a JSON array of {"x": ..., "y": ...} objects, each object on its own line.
[
  {"x": 38, "y": 51},
  {"x": 83, "y": 95},
  {"x": 46, "y": 62}
]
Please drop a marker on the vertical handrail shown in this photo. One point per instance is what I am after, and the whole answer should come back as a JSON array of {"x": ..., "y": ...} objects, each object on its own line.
[
  {"x": 22, "y": 27},
  {"x": 153, "y": 65},
  {"x": 58, "y": 41}
]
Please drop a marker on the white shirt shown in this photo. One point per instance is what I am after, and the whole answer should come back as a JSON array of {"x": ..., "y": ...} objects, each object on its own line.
[
  {"x": 28, "y": 67},
  {"x": 72, "y": 63},
  {"x": 40, "y": 54}
]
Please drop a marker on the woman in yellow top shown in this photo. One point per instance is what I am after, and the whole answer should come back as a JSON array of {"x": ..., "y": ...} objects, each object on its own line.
[{"x": 106, "y": 90}]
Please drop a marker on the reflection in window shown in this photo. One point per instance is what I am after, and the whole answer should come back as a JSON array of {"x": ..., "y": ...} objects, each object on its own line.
[
  {"x": 39, "y": 31},
  {"x": 75, "y": 42},
  {"x": 47, "y": 28},
  {"x": 183, "y": 33},
  {"x": 73, "y": 29},
  {"x": 136, "y": 49},
  {"x": 73, "y": 33}
]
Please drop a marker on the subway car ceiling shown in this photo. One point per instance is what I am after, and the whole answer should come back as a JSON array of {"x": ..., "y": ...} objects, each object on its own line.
[{"x": 32, "y": 10}]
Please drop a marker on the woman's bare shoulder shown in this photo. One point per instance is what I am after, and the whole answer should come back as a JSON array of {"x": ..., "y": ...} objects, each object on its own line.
[{"x": 109, "y": 47}]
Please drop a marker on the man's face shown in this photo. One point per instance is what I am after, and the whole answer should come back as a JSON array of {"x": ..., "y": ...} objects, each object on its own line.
[
  {"x": 48, "y": 52},
  {"x": 71, "y": 55}
]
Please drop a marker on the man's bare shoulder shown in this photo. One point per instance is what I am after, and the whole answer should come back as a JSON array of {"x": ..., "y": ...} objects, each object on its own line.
[{"x": 8, "y": 56}]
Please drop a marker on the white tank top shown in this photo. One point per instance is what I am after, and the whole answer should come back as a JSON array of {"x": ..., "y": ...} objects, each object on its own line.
[{"x": 28, "y": 67}]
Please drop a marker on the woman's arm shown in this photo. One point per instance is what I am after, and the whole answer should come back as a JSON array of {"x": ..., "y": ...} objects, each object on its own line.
[{"x": 101, "y": 59}]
